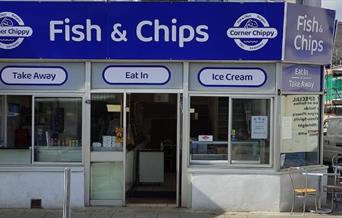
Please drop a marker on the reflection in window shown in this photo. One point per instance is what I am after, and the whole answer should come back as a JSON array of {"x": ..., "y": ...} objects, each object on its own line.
[
  {"x": 15, "y": 113},
  {"x": 250, "y": 134},
  {"x": 106, "y": 122},
  {"x": 209, "y": 128},
  {"x": 58, "y": 129}
]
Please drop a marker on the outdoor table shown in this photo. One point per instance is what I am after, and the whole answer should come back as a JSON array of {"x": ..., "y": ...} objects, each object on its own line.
[{"x": 319, "y": 191}]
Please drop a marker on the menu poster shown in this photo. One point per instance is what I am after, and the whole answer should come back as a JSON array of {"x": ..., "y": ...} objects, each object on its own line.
[
  {"x": 259, "y": 127},
  {"x": 301, "y": 133}
]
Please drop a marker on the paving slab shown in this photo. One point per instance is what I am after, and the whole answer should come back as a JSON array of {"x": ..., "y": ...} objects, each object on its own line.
[{"x": 150, "y": 212}]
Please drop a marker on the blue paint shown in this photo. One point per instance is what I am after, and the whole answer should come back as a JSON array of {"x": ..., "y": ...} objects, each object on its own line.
[
  {"x": 129, "y": 30},
  {"x": 309, "y": 34}
]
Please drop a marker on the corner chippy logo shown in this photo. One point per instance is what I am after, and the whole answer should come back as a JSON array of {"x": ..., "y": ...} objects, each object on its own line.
[
  {"x": 251, "y": 32},
  {"x": 12, "y": 30}
]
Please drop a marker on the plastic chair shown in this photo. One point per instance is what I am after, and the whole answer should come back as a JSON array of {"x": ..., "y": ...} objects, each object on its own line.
[{"x": 300, "y": 189}]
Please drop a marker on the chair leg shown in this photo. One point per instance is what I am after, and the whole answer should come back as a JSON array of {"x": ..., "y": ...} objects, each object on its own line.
[
  {"x": 316, "y": 203},
  {"x": 293, "y": 202},
  {"x": 304, "y": 204},
  {"x": 332, "y": 200}
]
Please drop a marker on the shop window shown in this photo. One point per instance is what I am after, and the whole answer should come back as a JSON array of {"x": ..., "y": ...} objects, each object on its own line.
[
  {"x": 300, "y": 123},
  {"x": 209, "y": 128},
  {"x": 58, "y": 129},
  {"x": 250, "y": 133},
  {"x": 15, "y": 129},
  {"x": 106, "y": 122}
]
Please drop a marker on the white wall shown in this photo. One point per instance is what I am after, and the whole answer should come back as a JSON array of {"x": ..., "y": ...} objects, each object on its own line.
[
  {"x": 236, "y": 192},
  {"x": 17, "y": 188}
]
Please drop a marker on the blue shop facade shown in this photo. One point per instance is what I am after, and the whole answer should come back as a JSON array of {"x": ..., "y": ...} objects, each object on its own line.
[{"x": 200, "y": 105}]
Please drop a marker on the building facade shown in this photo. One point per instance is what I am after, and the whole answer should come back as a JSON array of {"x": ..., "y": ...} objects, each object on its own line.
[{"x": 148, "y": 103}]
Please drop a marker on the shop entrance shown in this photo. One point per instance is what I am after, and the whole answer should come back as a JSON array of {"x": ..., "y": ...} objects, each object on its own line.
[{"x": 151, "y": 148}]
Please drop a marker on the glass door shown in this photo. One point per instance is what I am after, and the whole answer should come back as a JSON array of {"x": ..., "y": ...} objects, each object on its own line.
[{"x": 107, "y": 146}]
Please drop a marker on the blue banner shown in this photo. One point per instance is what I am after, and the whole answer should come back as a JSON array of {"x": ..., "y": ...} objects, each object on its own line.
[
  {"x": 309, "y": 34},
  {"x": 145, "y": 30}
]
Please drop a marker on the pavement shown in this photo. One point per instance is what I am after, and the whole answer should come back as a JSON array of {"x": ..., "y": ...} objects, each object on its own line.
[{"x": 146, "y": 212}]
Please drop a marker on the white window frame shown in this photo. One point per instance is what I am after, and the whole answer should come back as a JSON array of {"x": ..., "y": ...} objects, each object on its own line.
[{"x": 61, "y": 95}]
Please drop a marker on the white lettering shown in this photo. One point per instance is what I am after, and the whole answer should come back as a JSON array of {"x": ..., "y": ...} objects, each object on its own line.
[
  {"x": 74, "y": 32},
  {"x": 139, "y": 31},
  {"x": 53, "y": 29},
  {"x": 91, "y": 27},
  {"x": 185, "y": 37},
  {"x": 160, "y": 32},
  {"x": 77, "y": 30}
]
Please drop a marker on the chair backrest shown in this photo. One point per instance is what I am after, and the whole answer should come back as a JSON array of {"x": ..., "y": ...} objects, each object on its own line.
[
  {"x": 336, "y": 161},
  {"x": 300, "y": 171},
  {"x": 336, "y": 164}
]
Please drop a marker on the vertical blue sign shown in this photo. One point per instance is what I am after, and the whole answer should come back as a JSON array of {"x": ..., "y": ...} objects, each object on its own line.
[{"x": 309, "y": 34}]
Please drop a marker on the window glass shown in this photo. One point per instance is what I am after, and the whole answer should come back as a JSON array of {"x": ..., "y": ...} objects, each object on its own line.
[
  {"x": 18, "y": 120},
  {"x": 106, "y": 122},
  {"x": 300, "y": 123},
  {"x": 250, "y": 133},
  {"x": 106, "y": 181},
  {"x": 58, "y": 129},
  {"x": 209, "y": 128},
  {"x": 334, "y": 127}
]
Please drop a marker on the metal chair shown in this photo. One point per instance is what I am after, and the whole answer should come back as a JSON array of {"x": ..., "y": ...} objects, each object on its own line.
[
  {"x": 334, "y": 184},
  {"x": 300, "y": 188}
]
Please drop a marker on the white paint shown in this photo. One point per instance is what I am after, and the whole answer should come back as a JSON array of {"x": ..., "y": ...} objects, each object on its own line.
[
  {"x": 19, "y": 75},
  {"x": 236, "y": 192},
  {"x": 231, "y": 77},
  {"x": 138, "y": 75},
  {"x": 249, "y": 192},
  {"x": 18, "y": 188},
  {"x": 100, "y": 156}
]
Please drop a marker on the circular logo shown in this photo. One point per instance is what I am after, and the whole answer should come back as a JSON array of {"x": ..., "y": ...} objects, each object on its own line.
[
  {"x": 12, "y": 30},
  {"x": 251, "y": 32}
]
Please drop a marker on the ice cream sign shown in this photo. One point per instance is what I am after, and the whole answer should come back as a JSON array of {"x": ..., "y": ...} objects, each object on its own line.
[
  {"x": 232, "y": 77},
  {"x": 33, "y": 75}
]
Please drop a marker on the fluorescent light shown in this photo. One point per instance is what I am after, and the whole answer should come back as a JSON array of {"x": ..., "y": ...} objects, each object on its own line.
[{"x": 114, "y": 107}]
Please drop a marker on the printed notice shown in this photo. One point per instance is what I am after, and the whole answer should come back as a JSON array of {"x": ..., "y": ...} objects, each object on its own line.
[
  {"x": 300, "y": 123},
  {"x": 259, "y": 127},
  {"x": 286, "y": 127}
]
